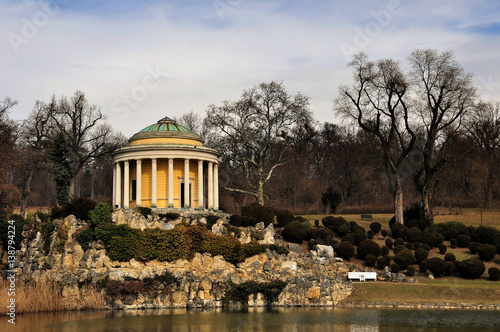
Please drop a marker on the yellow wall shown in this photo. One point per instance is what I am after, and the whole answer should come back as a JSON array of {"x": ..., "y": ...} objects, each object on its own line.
[
  {"x": 166, "y": 141},
  {"x": 162, "y": 182}
]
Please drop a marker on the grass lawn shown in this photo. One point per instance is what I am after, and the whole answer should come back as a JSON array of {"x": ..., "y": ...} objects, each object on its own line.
[{"x": 442, "y": 290}]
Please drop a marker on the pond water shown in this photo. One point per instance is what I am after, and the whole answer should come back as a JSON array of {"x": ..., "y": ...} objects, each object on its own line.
[{"x": 260, "y": 319}]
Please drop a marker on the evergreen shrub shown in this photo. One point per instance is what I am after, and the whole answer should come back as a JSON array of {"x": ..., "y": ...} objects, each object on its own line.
[
  {"x": 370, "y": 260},
  {"x": 463, "y": 240},
  {"x": 261, "y": 213},
  {"x": 345, "y": 250},
  {"x": 471, "y": 268},
  {"x": 486, "y": 252},
  {"x": 296, "y": 231},
  {"x": 404, "y": 258},
  {"x": 284, "y": 217},
  {"x": 376, "y": 227},
  {"x": 493, "y": 274},
  {"x": 436, "y": 265},
  {"x": 368, "y": 247}
]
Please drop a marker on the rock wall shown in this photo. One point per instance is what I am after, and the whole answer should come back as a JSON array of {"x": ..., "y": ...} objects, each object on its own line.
[{"x": 312, "y": 280}]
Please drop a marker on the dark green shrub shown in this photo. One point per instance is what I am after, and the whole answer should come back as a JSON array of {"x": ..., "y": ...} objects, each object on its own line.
[
  {"x": 145, "y": 211},
  {"x": 414, "y": 234},
  {"x": 261, "y": 213},
  {"x": 449, "y": 257},
  {"x": 296, "y": 231},
  {"x": 422, "y": 266},
  {"x": 383, "y": 233},
  {"x": 358, "y": 228},
  {"x": 211, "y": 220},
  {"x": 421, "y": 254},
  {"x": 493, "y": 274},
  {"x": 333, "y": 223},
  {"x": 416, "y": 245},
  {"x": 425, "y": 247},
  {"x": 381, "y": 263},
  {"x": 348, "y": 238},
  {"x": 100, "y": 214},
  {"x": 77, "y": 206},
  {"x": 370, "y": 235},
  {"x": 385, "y": 250},
  {"x": 442, "y": 249},
  {"x": 280, "y": 250},
  {"x": 398, "y": 249},
  {"x": 471, "y": 268},
  {"x": 370, "y": 260},
  {"x": 429, "y": 239},
  {"x": 474, "y": 237},
  {"x": 453, "y": 243},
  {"x": 414, "y": 215},
  {"x": 252, "y": 249},
  {"x": 409, "y": 246},
  {"x": 473, "y": 247},
  {"x": 388, "y": 260},
  {"x": 248, "y": 221},
  {"x": 311, "y": 244},
  {"x": 359, "y": 236},
  {"x": 316, "y": 223},
  {"x": 343, "y": 230},
  {"x": 488, "y": 235},
  {"x": 450, "y": 229},
  {"x": 84, "y": 237},
  {"x": 284, "y": 217},
  {"x": 353, "y": 225},
  {"x": 235, "y": 220},
  {"x": 439, "y": 238},
  {"x": 437, "y": 266},
  {"x": 404, "y": 258},
  {"x": 47, "y": 230},
  {"x": 170, "y": 216},
  {"x": 389, "y": 243},
  {"x": 399, "y": 231},
  {"x": 450, "y": 268},
  {"x": 376, "y": 227},
  {"x": 410, "y": 271},
  {"x": 345, "y": 250},
  {"x": 323, "y": 235},
  {"x": 399, "y": 242},
  {"x": 463, "y": 240},
  {"x": 486, "y": 252},
  {"x": 395, "y": 268},
  {"x": 368, "y": 247}
]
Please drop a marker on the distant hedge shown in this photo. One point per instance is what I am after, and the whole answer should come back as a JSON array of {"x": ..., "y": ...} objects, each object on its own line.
[{"x": 261, "y": 213}]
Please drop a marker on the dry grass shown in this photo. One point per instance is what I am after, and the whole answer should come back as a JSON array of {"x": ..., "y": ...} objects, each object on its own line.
[{"x": 46, "y": 295}]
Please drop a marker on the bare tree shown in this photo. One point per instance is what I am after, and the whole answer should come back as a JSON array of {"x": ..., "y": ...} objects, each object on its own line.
[
  {"x": 85, "y": 130},
  {"x": 444, "y": 93},
  {"x": 379, "y": 104},
  {"x": 247, "y": 130},
  {"x": 194, "y": 122}
]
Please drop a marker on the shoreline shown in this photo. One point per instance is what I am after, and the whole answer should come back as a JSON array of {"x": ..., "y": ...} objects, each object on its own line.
[{"x": 404, "y": 305}]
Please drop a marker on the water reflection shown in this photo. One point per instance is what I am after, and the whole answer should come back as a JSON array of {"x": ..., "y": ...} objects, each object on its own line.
[{"x": 261, "y": 319}]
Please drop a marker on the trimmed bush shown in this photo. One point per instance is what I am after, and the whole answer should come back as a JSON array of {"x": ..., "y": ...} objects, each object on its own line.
[
  {"x": 414, "y": 234},
  {"x": 170, "y": 216},
  {"x": 410, "y": 271},
  {"x": 463, "y": 240},
  {"x": 388, "y": 260},
  {"x": 473, "y": 247},
  {"x": 370, "y": 235},
  {"x": 348, "y": 238},
  {"x": 416, "y": 245},
  {"x": 422, "y": 266},
  {"x": 343, "y": 230},
  {"x": 436, "y": 265},
  {"x": 368, "y": 247},
  {"x": 235, "y": 220},
  {"x": 439, "y": 238},
  {"x": 486, "y": 252},
  {"x": 248, "y": 221},
  {"x": 442, "y": 248},
  {"x": 296, "y": 231},
  {"x": 370, "y": 260},
  {"x": 430, "y": 239},
  {"x": 383, "y": 233},
  {"x": 450, "y": 268},
  {"x": 398, "y": 249},
  {"x": 77, "y": 206},
  {"x": 450, "y": 229},
  {"x": 404, "y": 258},
  {"x": 323, "y": 235},
  {"x": 389, "y": 243},
  {"x": 353, "y": 225},
  {"x": 409, "y": 246},
  {"x": 284, "y": 218},
  {"x": 145, "y": 211},
  {"x": 381, "y": 263},
  {"x": 345, "y": 250},
  {"x": 376, "y": 227},
  {"x": 399, "y": 231},
  {"x": 84, "y": 236},
  {"x": 385, "y": 250},
  {"x": 261, "y": 213},
  {"x": 421, "y": 254},
  {"x": 453, "y": 243},
  {"x": 359, "y": 236},
  {"x": 101, "y": 213},
  {"x": 334, "y": 223},
  {"x": 471, "y": 268},
  {"x": 488, "y": 235},
  {"x": 425, "y": 247},
  {"x": 449, "y": 257},
  {"x": 493, "y": 274},
  {"x": 395, "y": 268},
  {"x": 399, "y": 242}
]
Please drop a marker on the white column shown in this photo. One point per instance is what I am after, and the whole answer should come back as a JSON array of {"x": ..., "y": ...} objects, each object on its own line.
[
  {"x": 171, "y": 183},
  {"x": 200, "y": 185},
  {"x": 210, "y": 186},
  {"x": 126, "y": 186},
  {"x": 216, "y": 186},
  {"x": 118, "y": 185},
  {"x": 186, "y": 183},
  {"x": 113, "y": 202},
  {"x": 154, "y": 184},
  {"x": 138, "y": 183}
]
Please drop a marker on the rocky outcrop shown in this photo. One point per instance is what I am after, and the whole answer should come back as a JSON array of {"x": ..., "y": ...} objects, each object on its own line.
[{"x": 311, "y": 280}]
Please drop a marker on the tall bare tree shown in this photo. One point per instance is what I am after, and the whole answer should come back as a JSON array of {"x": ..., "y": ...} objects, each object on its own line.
[
  {"x": 444, "y": 94},
  {"x": 379, "y": 104},
  {"x": 246, "y": 131}
]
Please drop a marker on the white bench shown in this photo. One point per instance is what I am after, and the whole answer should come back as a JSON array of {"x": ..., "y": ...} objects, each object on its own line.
[{"x": 362, "y": 276}]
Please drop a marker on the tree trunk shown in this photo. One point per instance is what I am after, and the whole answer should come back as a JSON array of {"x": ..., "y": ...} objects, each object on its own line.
[
  {"x": 398, "y": 201},
  {"x": 26, "y": 193},
  {"x": 426, "y": 201},
  {"x": 260, "y": 193}
]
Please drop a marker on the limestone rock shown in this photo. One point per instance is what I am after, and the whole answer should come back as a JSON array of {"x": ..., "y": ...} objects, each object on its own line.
[
  {"x": 324, "y": 251},
  {"x": 218, "y": 228},
  {"x": 268, "y": 235},
  {"x": 295, "y": 248}
]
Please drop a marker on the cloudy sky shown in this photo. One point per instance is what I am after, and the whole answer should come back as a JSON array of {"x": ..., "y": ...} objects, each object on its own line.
[{"x": 143, "y": 60}]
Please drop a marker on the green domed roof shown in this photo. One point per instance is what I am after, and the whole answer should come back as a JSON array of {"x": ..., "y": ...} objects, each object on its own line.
[{"x": 166, "y": 128}]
